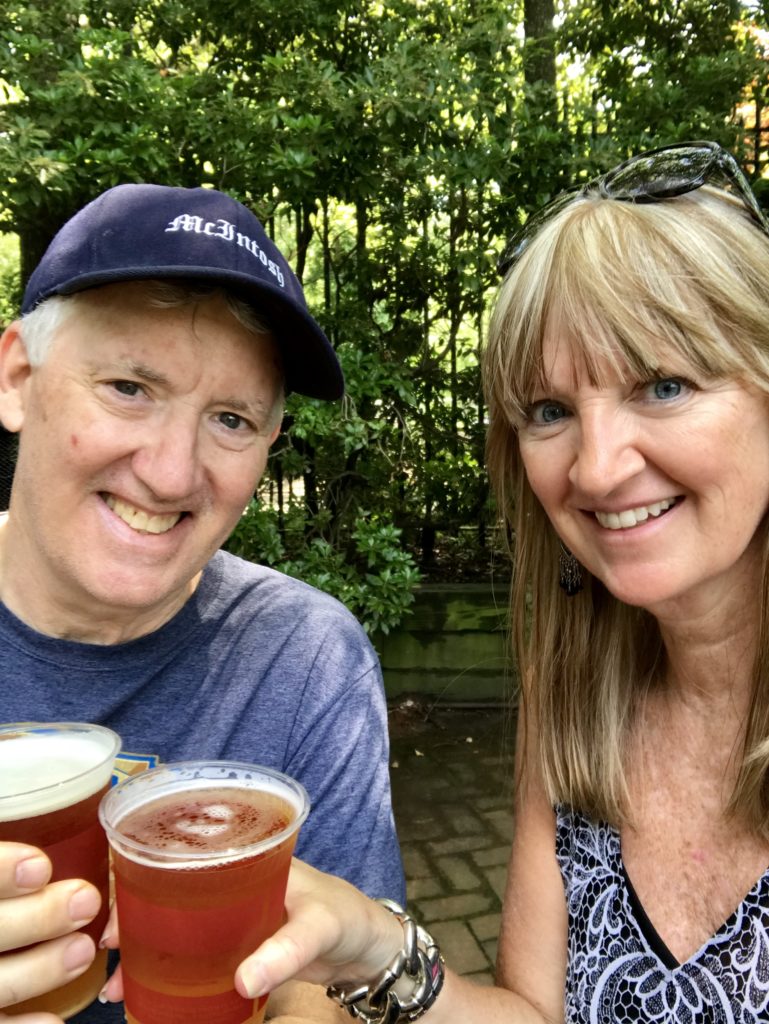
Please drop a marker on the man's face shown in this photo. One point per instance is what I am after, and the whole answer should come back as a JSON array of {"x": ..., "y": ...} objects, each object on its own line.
[{"x": 143, "y": 435}]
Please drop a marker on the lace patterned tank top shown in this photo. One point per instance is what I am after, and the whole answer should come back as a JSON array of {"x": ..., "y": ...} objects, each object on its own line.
[{"x": 620, "y": 971}]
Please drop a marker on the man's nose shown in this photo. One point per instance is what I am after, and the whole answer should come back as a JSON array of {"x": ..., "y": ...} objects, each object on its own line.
[
  {"x": 608, "y": 452},
  {"x": 169, "y": 462}
]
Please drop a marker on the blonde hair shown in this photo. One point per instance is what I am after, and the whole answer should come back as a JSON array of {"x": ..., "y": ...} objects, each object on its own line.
[{"x": 631, "y": 286}]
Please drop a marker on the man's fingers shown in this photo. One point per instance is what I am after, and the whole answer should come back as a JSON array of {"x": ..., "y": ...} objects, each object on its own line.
[
  {"x": 42, "y": 968},
  {"x": 58, "y": 909},
  {"x": 23, "y": 869},
  {"x": 30, "y": 1018},
  {"x": 41, "y": 917}
]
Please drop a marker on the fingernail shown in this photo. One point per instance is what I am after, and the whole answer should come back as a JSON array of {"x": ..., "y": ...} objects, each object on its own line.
[
  {"x": 79, "y": 953},
  {"x": 249, "y": 983},
  {"x": 106, "y": 936},
  {"x": 105, "y": 996},
  {"x": 33, "y": 872},
  {"x": 84, "y": 905}
]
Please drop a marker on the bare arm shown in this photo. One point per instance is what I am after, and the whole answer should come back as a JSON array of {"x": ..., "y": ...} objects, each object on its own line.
[
  {"x": 297, "y": 1002},
  {"x": 335, "y": 934},
  {"x": 42, "y": 917},
  {"x": 533, "y": 937}
]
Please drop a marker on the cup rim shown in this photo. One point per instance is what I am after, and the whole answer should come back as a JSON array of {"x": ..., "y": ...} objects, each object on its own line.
[
  {"x": 152, "y": 856},
  {"x": 9, "y": 729}
]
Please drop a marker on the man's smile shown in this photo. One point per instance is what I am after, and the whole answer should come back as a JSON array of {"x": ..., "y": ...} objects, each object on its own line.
[{"x": 140, "y": 520}]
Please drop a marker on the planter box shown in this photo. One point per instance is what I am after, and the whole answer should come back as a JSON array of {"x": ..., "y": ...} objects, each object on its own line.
[{"x": 453, "y": 645}]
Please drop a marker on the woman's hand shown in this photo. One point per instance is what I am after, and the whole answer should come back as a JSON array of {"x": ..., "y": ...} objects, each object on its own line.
[
  {"x": 333, "y": 933},
  {"x": 41, "y": 915}
]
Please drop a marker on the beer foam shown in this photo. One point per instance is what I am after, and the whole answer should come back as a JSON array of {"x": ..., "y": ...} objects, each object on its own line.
[
  {"x": 214, "y": 825},
  {"x": 45, "y": 771}
]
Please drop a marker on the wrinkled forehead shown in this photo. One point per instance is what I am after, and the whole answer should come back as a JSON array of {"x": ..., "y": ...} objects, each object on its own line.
[{"x": 156, "y": 301}]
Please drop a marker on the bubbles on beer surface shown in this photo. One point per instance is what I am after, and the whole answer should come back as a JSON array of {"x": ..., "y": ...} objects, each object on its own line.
[{"x": 207, "y": 821}]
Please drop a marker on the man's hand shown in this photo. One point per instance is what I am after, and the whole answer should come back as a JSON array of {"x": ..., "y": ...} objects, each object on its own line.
[{"x": 40, "y": 915}]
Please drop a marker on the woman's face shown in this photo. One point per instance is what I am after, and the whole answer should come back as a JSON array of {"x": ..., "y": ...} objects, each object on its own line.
[{"x": 658, "y": 487}]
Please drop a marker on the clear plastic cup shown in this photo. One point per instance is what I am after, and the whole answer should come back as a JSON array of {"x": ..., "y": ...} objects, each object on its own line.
[
  {"x": 201, "y": 853},
  {"x": 52, "y": 777}
]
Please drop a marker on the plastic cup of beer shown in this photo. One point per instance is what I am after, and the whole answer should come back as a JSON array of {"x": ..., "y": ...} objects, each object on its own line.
[
  {"x": 52, "y": 778},
  {"x": 201, "y": 853}
]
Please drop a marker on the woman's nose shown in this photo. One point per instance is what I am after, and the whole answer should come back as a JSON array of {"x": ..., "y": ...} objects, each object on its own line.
[{"x": 608, "y": 453}]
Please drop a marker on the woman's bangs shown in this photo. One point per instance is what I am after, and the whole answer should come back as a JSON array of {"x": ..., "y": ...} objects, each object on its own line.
[
  {"x": 630, "y": 301},
  {"x": 636, "y": 291}
]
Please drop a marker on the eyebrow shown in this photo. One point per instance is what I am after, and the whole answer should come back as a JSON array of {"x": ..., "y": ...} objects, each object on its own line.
[
  {"x": 257, "y": 409},
  {"x": 144, "y": 372}
]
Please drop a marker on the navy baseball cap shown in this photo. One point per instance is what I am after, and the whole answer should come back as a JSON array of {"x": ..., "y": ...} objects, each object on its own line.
[{"x": 135, "y": 232}]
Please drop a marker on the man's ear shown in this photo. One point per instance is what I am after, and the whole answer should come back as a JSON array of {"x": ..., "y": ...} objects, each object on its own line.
[{"x": 15, "y": 371}]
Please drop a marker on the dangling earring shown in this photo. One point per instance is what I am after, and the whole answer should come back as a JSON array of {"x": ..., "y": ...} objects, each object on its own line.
[{"x": 569, "y": 572}]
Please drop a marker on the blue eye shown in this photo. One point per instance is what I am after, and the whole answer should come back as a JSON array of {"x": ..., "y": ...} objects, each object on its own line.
[
  {"x": 665, "y": 389},
  {"x": 545, "y": 412},
  {"x": 126, "y": 387},
  {"x": 231, "y": 420}
]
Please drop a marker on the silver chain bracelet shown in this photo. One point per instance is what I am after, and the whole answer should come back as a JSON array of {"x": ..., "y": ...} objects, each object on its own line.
[{"x": 420, "y": 959}]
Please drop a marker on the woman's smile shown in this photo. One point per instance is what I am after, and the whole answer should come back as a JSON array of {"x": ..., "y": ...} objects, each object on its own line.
[{"x": 632, "y": 517}]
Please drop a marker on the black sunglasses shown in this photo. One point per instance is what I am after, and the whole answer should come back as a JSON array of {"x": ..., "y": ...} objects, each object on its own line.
[{"x": 647, "y": 178}]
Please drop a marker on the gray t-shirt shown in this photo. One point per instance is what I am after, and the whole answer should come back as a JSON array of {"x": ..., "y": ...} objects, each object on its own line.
[{"x": 255, "y": 667}]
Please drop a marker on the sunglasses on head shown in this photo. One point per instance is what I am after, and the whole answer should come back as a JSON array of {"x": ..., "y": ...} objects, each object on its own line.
[{"x": 647, "y": 178}]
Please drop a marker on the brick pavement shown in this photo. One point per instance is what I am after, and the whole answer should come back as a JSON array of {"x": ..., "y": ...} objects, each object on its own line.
[{"x": 452, "y": 794}]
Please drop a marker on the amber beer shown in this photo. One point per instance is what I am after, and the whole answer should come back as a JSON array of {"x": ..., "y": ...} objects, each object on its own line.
[
  {"x": 52, "y": 778},
  {"x": 201, "y": 855}
]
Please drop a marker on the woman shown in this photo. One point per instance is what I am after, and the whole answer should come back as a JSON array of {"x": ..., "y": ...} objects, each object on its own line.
[{"x": 627, "y": 376}]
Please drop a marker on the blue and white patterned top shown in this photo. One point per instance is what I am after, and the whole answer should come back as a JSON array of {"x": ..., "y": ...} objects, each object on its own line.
[{"x": 619, "y": 969}]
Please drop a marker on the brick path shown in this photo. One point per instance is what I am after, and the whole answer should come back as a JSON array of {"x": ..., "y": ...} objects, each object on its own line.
[{"x": 452, "y": 794}]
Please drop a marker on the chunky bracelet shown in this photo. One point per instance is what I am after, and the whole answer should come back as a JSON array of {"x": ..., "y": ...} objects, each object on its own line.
[{"x": 420, "y": 959}]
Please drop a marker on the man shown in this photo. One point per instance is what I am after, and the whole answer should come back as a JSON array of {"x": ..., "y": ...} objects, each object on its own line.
[{"x": 146, "y": 381}]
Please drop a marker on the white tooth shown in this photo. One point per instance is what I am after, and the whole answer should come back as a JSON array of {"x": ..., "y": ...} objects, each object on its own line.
[{"x": 633, "y": 516}]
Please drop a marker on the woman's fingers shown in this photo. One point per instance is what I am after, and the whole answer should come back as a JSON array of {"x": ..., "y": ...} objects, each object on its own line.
[
  {"x": 110, "y": 938},
  {"x": 290, "y": 953},
  {"x": 332, "y": 932},
  {"x": 41, "y": 968},
  {"x": 113, "y": 990},
  {"x": 56, "y": 910}
]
